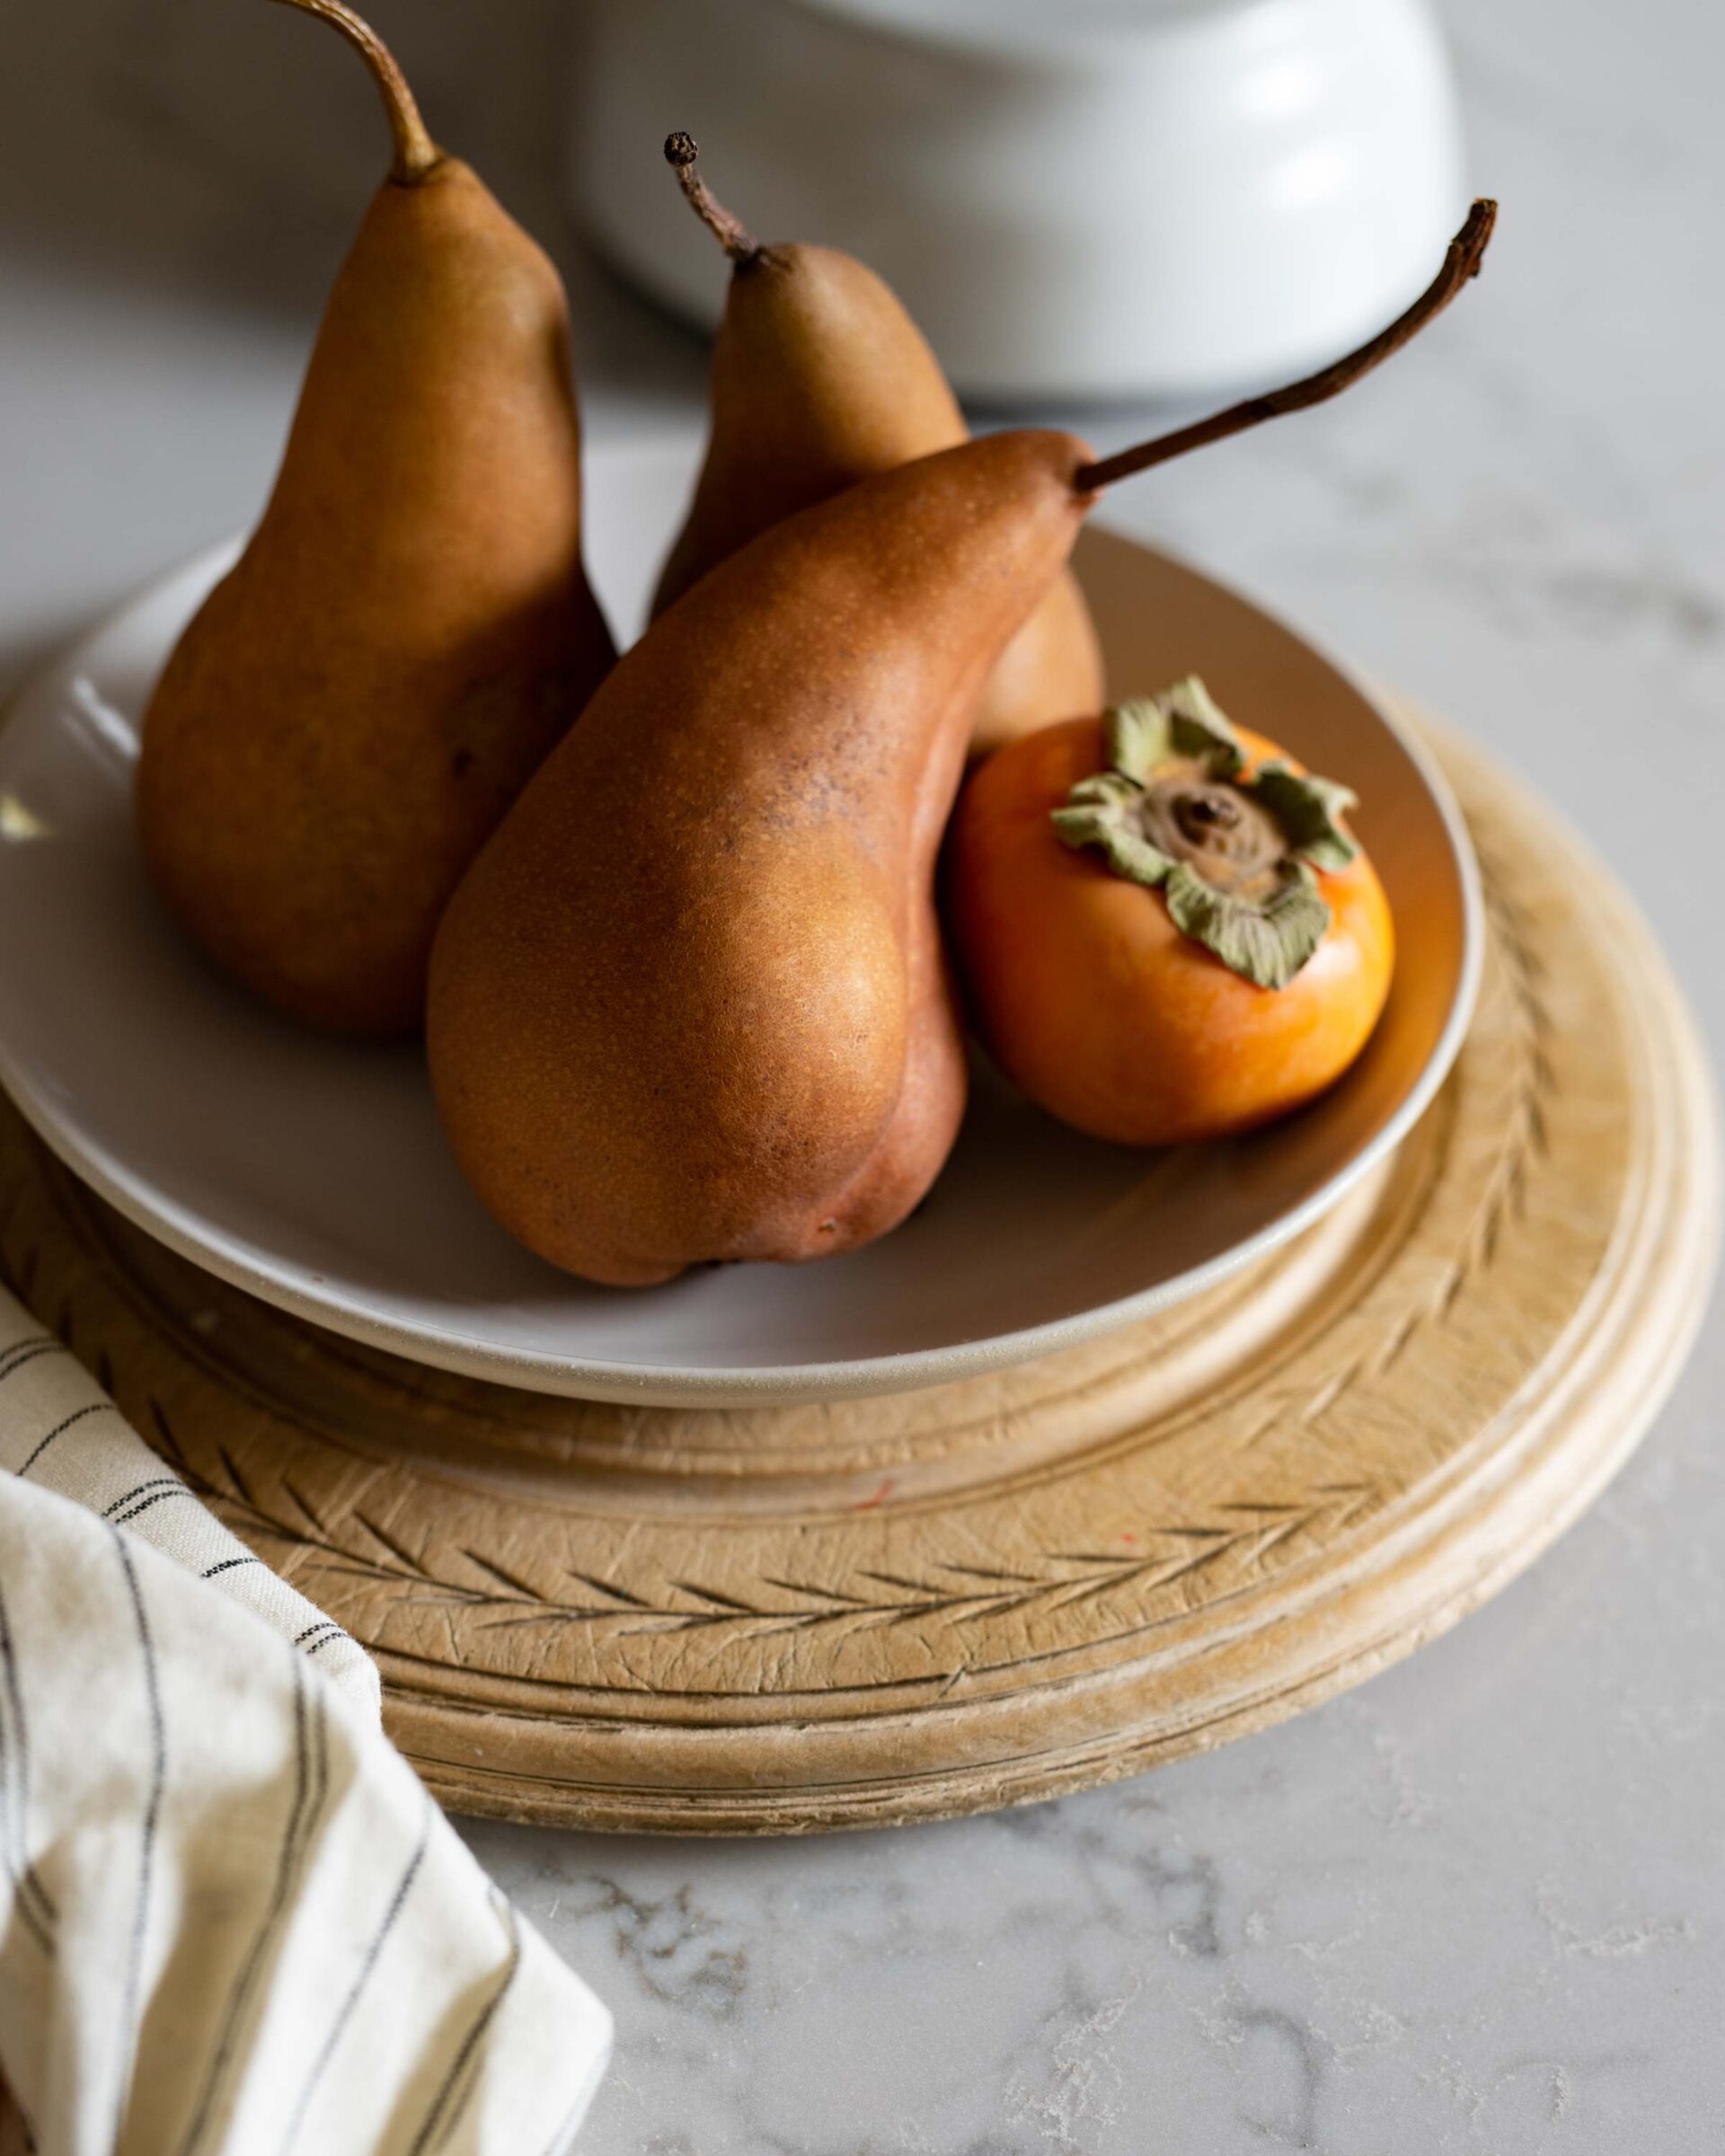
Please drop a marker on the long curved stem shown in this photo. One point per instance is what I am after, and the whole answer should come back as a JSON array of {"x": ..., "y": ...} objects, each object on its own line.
[
  {"x": 415, "y": 151},
  {"x": 738, "y": 242},
  {"x": 1461, "y": 261}
]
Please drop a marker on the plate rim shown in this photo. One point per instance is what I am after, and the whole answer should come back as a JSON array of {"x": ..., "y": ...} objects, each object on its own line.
[{"x": 788, "y": 1384}]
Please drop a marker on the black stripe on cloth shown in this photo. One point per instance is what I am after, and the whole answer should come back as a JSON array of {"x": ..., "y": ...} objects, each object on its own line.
[
  {"x": 440, "y": 2120},
  {"x": 344, "y": 2014},
  {"x": 143, "y": 1505},
  {"x": 311, "y": 1785},
  {"x": 96, "y": 1407},
  {"x": 228, "y": 1565},
  {"x": 148, "y": 1831},
  {"x": 137, "y": 1490},
  {"x": 34, "y": 1904},
  {"x": 301, "y": 1638},
  {"x": 26, "y": 1351},
  {"x": 15, "y": 1700},
  {"x": 26, "y": 2127}
]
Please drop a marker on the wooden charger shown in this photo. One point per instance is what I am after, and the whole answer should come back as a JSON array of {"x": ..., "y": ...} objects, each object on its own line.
[{"x": 780, "y": 1619}]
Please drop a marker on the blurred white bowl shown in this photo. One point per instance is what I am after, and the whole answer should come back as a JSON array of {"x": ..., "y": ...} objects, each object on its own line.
[{"x": 1076, "y": 198}]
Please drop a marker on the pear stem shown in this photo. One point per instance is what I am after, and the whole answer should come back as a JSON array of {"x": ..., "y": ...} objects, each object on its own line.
[
  {"x": 415, "y": 151},
  {"x": 1461, "y": 263},
  {"x": 738, "y": 241}
]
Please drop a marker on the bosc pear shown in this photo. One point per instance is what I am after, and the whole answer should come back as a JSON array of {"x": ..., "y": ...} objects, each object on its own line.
[
  {"x": 690, "y": 1003},
  {"x": 410, "y": 629},
  {"x": 820, "y": 378}
]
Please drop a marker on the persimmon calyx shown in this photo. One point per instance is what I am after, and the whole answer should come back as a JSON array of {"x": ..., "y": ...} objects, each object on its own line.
[{"x": 1235, "y": 855}]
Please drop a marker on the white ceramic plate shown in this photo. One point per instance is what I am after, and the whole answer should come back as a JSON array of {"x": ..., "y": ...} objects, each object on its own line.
[{"x": 314, "y": 1174}]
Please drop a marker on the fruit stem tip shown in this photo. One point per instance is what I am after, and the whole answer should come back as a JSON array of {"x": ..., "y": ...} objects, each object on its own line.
[
  {"x": 681, "y": 150},
  {"x": 1461, "y": 263}
]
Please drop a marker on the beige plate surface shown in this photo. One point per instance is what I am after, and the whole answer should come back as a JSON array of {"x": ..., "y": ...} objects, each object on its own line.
[
  {"x": 780, "y": 1619},
  {"x": 313, "y": 1172}
]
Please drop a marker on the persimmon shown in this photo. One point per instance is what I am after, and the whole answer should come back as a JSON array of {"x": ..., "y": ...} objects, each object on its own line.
[{"x": 1164, "y": 929}]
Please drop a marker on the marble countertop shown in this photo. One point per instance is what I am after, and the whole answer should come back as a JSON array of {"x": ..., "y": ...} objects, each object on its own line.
[{"x": 1480, "y": 1904}]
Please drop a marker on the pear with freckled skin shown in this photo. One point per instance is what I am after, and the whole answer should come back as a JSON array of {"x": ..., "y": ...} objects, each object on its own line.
[
  {"x": 691, "y": 1003},
  {"x": 410, "y": 629},
  {"x": 820, "y": 378}
]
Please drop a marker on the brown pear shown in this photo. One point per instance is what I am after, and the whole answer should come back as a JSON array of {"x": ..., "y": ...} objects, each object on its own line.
[
  {"x": 690, "y": 1002},
  {"x": 820, "y": 378},
  {"x": 410, "y": 629}
]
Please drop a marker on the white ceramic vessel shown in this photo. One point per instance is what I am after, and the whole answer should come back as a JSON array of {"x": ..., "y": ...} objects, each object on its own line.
[
  {"x": 313, "y": 1171},
  {"x": 1092, "y": 198}
]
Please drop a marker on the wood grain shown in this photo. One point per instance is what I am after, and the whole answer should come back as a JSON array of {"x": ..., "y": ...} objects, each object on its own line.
[{"x": 747, "y": 1620}]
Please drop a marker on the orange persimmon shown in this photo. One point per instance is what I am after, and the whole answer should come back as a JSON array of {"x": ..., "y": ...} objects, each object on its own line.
[{"x": 1089, "y": 995}]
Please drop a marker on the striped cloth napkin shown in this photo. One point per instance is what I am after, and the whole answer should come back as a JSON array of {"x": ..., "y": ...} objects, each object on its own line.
[
  {"x": 59, "y": 1430},
  {"x": 232, "y": 1921}
]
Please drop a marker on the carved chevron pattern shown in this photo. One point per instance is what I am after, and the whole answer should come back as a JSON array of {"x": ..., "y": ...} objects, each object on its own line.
[
  {"x": 489, "y": 1595},
  {"x": 500, "y": 1598}
]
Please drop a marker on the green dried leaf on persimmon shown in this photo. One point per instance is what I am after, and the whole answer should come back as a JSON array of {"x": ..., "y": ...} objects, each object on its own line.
[
  {"x": 1309, "y": 810},
  {"x": 1266, "y": 940},
  {"x": 1232, "y": 855},
  {"x": 1127, "y": 853},
  {"x": 1181, "y": 724}
]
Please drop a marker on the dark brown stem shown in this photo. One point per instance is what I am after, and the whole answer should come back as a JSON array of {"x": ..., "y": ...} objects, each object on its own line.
[
  {"x": 1461, "y": 263},
  {"x": 733, "y": 236},
  {"x": 416, "y": 154}
]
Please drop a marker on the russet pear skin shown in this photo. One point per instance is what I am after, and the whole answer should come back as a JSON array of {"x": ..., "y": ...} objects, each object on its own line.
[
  {"x": 820, "y": 378},
  {"x": 407, "y": 633},
  {"x": 690, "y": 1003}
]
